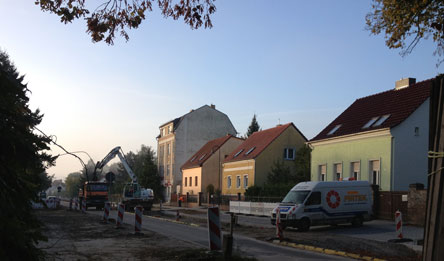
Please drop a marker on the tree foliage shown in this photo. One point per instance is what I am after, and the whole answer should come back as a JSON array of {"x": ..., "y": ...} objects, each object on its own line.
[
  {"x": 254, "y": 126},
  {"x": 405, "y": 23},
  {"x": 73, "y": 182},
  {"x": 22, "y": 167},
  {"x": 108, "y": 17}
]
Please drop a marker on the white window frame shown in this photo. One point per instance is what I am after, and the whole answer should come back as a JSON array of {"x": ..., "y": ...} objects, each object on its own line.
[
  {"x": 286, "y": 152},
  {"x": 371, "y": 172},
  {"x": 245, "y": 179},
  {"x": 238, "y": 181},
  {"x": 352, "y": 170},
  {"x": 320, "y": 174},
  {"x": 335, "y": 171},
  {"x": 229, "y": 182}
]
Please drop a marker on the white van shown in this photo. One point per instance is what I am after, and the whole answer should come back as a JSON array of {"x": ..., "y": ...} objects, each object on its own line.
[{"x": 325, "y": 202}]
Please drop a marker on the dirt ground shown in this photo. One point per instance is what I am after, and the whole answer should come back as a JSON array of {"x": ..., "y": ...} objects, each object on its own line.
[
  {"x": 363, "y": 247},
  {"x": 75, "y": 236}
]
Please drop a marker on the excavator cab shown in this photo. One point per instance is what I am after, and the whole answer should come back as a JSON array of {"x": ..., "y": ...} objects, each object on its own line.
[{"x": 131, "y": 190}]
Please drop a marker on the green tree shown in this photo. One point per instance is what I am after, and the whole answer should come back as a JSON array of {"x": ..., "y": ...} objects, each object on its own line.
[
  {"x": 22, "y": 167},
  {"x": 405, "y": 23},
  {"x": 73, "y": 182},
  {"x": 107, "y": 18},
  {"x": 254, "y": 126},
  {"x": 279, "y": 173},
  {"x": 302, "y": 164}
]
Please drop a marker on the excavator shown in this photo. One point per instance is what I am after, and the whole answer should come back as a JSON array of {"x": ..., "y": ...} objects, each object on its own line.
[{"x": 133, "y": 193}]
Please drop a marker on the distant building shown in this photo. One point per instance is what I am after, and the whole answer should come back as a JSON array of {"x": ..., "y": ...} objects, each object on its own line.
[
  {"x": 382, "y": 138},
  {"x": 53, "y": 190},
  {"x": 182, "y": 137},
  {"x": 205, "y": 166},
  {"x": 250, "y": 163}
]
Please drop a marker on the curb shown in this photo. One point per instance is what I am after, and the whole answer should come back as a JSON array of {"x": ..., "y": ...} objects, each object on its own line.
[
  {"x": 174, "y": 221},
  {"x": 326, "y": 251}
]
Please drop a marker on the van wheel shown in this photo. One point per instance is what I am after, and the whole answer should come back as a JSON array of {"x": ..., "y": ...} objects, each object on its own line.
[
  {"x": 304, "y": 224},
  {"x": 357, "y": 221}
]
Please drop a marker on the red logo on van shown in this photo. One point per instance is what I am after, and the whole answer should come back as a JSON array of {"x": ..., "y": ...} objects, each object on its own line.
[{"x": 337, "y": 200}]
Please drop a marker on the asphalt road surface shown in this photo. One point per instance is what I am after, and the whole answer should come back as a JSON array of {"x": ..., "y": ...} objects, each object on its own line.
[{"x": 199, "y": 236}]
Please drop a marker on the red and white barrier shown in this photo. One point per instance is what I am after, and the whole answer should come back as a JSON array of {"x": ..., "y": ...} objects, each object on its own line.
[
  {"x": 398, "y": 222},
  {"x": 138, "y": 223},
  {"x": 214, "y": 231},
  {"x": 279, "y": 233},
  {"x": 106, "y": 210},
  {"x": 119, "y": 220},
  {"x": 84, "y": 206}
]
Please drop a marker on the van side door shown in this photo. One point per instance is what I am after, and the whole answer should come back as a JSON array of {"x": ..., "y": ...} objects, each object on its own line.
[{"x": 313, "y": 207}]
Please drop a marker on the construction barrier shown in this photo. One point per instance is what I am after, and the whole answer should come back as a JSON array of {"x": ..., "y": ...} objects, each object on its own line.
[
  {"x": 398, "y": 222},
  {"x": 121, "y": 211},
  {"x": 106, "y": 210},
  {"x": 84, "y": 206},
  {"x": 138, "y": 222},
  {"x": 76, "y": 204},
  {"x": 278, "y": 225},
  {"x": 214, "y": 231},
  {"x": 252, "y": 208}
]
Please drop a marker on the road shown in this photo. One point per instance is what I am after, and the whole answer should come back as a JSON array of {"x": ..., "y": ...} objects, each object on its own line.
[{"x": 199, "y": 236}]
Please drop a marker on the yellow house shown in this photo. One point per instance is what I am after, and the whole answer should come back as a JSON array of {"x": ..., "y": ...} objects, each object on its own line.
[
  {"x": 250, "y": 163},
  {"x": 205, "y": 166}
]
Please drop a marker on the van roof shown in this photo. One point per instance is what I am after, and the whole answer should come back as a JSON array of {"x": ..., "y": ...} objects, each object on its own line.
[{"x": 310, "y": 185}]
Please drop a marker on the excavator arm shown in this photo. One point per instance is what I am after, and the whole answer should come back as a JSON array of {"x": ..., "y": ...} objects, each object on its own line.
[{"x": 117, "y": 151}]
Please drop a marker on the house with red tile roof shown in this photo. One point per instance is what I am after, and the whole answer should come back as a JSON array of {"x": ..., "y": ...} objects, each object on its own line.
[
  {"x": 250, "y": 163},
  {"x": 205, "y": 166},
  {"x": 382, "y": 138}
]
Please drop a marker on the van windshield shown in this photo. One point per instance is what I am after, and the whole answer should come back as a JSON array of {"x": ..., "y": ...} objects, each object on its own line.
[{"x": 296, "y": 196}]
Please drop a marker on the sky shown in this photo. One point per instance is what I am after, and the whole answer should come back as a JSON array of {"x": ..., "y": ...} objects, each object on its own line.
[{"x": 285, "y": 61}]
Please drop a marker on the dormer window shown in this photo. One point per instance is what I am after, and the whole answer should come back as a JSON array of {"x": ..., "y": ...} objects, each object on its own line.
[
  {"x": 370, "y": 122},
  {"x": 249, "y": 151},
  {"x": 381, "y": 120},
  {"x": 203, "y": 156},
  {"x": 193, "y": 158},
  {"x": 334, "y": 129},
  {"x": 237, "y": 154}
]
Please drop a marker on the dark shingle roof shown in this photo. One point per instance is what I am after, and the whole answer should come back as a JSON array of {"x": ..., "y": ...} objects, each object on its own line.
[
  {"x": 259, "y": 141},
  {"x": 206, "y": 151},
  {"x": 399, "y": 104}
]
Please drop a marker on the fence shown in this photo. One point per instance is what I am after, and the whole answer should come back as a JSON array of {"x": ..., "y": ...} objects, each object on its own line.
[{"x": 252, "y": 208}]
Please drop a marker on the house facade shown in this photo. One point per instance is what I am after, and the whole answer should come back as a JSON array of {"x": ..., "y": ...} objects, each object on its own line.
[
  {"x": 180, "y": 138},
  {"x": 250, "y": 163},
  {"x": 205, "y": 166},
  {"x": 382, "y": 138}
]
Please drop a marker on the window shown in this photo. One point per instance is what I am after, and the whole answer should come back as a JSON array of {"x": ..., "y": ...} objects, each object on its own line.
[
  {"x": 375, "y": 172},
  {"x": 239, "y": 152},
  {"x": 334, "y": 129},
  {"x": 337, "y": 168},
  {"x": 169, "y": 129},
  {"x": 195, "y": 181},
  {"x": 355, "y": 168},
  {"x": 186, "y": 183},
  {"x": 249, "y": 151},
  {"x": 193, "y": 158},
  {"x": 229, "y": 182},
  {"x": 168, "y": 170},
  {"x": 238, "y": 181},
  {"x": 162, "y": 132},
  {"x": 322, "y": 172},
  {"x": 314, "y": 199},
  {"x": 203, "y": 156},
  {"x": 245, "y": 181},
  {"x": 370, "y": 122},
  {"x": 289, "y": 153},
  {"x": 416, "y": 131},
  {"x": 381, "y": 120},
  {"x": 191, "y": 181},
  {"x": 169, "y": 149}
]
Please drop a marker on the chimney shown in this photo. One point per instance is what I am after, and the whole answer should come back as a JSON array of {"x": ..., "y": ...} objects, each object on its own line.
[
  {"x": 213, "y": 106},
  {"x": 404, "y": 83}
]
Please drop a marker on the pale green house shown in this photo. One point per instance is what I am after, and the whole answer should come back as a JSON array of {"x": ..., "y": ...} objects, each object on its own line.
[{"x": 382, "y": 138}]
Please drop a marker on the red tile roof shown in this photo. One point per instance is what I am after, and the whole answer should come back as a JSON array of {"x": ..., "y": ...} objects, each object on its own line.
[
  {"x": 259, "y": 141},
  {"x": 399, "y": 104},
  {"x": 206, "y": 151}
]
